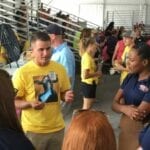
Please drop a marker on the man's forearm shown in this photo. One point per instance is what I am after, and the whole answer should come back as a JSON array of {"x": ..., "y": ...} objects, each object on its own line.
[{"x": 22, "y": 104}]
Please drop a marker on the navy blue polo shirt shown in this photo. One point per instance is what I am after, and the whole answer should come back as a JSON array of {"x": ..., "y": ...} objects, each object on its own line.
[
  {"x": 135, "y": 91},
  {"x": 144, "y": 138}
]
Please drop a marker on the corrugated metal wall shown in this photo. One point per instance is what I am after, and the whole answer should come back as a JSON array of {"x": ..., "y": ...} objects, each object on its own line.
[
  {"x": 102, "y": 11},
  {"x": 97, "y": 10}
]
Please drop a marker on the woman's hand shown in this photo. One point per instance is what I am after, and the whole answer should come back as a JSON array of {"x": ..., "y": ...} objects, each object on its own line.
[{"x": 134, "y": 113}]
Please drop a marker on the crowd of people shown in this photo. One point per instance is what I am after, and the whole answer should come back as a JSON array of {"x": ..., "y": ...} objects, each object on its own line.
[
  {"x": 38, "y": 87},
  {"x": 43, "y": 88}
]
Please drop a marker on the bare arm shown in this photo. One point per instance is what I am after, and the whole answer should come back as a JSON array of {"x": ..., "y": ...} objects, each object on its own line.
[
  {"x": 120, "y": 67},
  {"x": 117, "y": 105},
  {"x": 67, "y": 96},
  {"x": 115, "y": 53},
  {"x": 144, "y": 106},
  {"x": 87, "y": 74},
  {"x": 21, "y": 103},
  {"x": 144, "y": 109},
  {"x": 129, "y": 110}
]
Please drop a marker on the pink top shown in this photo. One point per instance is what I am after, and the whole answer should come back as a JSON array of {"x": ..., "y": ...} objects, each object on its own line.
[
  {"x": 121, "y": 47},
  {"x": 148, "y": 42}
]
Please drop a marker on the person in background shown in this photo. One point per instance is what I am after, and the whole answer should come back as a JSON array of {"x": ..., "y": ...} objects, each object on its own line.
[
  {"x": 89, "y": 72},
  {"x": 12, "y": 136},
  {"x": 76, "y": 40},
  {"x": 133, "y": 98},
  {"x": 3, "y": 56},
  {"x": 61, "y": 52},
  {"x": 41, "y": 84},
  {"x": 139, "y": 39},
  {"x": 120, "y": 33},
  {"x": 122, "y": 64},
  {"x": 109, "y": 28},
  {"x": 89, "y": 130},
  {"x": 148, "y": 42},
  {"x": 120, "y": 46},
  {"x": 26, "y": 46},
  {"x": 111, "y": 41},
  {"x": 144, "y": 138},
  {"x": 87, "y": 33}
]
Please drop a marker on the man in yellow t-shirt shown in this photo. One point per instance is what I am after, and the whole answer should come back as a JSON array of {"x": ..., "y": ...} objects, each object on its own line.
[{"x": 41, "y": 84}]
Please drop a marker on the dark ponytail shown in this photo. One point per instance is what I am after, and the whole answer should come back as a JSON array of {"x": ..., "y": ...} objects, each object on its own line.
[{"x": 143, "y": 51}]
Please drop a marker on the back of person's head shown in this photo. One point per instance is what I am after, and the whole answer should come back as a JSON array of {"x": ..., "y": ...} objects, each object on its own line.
[
  {"x": 122, "y": 28},
  {"x": 85, "y": 43},
  {"x": 143, "y": 51},
  {"x": 88, "y": 41},
  {"x": 42, "y": 36},
  {"x": 110, "y": 27},
  {"x": 55, "y": 29},
  {"x": 8, "y": 117},
  {"x": 86, "y": 33},
  {"x": 89, "y": 130}
]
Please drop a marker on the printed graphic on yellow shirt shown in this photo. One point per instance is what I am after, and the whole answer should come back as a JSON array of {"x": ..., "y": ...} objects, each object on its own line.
[{"x": 45, "y": 87}]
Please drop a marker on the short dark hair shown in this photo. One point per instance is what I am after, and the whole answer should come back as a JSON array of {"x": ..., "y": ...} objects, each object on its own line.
[
  {"x": 54, "y": 29},
  {"x": 40, "y": 35}
]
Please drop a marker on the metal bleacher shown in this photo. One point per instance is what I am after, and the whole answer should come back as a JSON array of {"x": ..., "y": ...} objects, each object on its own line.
[{"x": 35, "y": 22}]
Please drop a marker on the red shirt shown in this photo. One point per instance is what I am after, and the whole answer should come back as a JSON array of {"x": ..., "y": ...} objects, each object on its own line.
[{"x": 121, "y": 47}]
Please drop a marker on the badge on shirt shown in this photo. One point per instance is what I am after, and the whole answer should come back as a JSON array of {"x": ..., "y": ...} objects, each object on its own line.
[{"x": 144, "y": 88}]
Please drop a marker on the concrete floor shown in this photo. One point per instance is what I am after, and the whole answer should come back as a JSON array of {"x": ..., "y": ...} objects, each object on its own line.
[{"x": 105, "y": 93}]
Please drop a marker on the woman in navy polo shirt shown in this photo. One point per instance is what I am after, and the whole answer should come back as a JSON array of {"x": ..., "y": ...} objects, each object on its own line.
[
  {"x": 144, "y": 138},
  {"x": 133, "y": 98}
]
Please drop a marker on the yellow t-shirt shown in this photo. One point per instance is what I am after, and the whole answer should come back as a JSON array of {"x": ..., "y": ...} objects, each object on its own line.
[
  {"x": 124, "y": 58},
  {"x": 87, "y": 62},
  {"x": 76, "y": 40},
  {"x": 26, "y": 45},
  {"x": 2, "y": 52},
  {"x": 17, "y": 36},
  {"x": 27, "y": 81}
]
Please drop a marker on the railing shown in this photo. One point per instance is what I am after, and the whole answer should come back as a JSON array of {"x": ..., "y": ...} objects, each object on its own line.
[
  {"x": 34, "y": 22},
  {"x": 72, "y": 16},
  {"x": 126, "y": 18}
]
